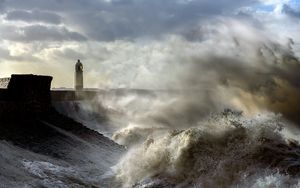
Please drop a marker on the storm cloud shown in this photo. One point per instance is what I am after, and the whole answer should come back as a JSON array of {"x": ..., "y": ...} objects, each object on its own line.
[
  {"x": 41, "y": 33},
  {"x": 33, "y": 16},
  {"x": 119, "y": 19},
  {"x": 242, "y": 54},
  {"x": 290, "y": 11}
]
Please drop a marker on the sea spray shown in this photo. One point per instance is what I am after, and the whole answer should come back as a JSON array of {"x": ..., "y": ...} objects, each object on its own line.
[
  {"x": 224, "y": 151},
  {"x": 220, "y": 149}
]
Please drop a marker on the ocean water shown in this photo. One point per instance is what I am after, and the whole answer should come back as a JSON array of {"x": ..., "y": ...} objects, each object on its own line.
[
  {"x": 218, "y": 153},
  {"x": 220, "y": 148}
]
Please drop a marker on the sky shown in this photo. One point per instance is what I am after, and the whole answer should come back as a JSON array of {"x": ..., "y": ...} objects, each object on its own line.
[{"x": 138, "y": 43}]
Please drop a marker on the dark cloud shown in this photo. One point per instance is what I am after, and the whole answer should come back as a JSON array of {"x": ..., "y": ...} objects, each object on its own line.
[
  {"x": 41, "y": 33},
  {"x": 53, "y": 5},
  {"x": 125, "y": 19},
  {"x": 290, "y": 11},
  {"x": 133, "y": 18},
  {"x": 33, "y": 16},
  {"x": 1, "y": 6}
]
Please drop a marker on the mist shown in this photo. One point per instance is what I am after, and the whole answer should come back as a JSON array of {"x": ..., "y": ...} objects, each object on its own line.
[
  {"x": 179, "y": 93},
  {"x": 232, "y": 65}
]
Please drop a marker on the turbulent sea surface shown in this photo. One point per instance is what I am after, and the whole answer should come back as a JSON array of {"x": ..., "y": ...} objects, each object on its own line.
[{"x": 219, "y": 149}]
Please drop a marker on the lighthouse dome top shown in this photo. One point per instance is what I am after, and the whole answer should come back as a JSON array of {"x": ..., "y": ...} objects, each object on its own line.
[{"x": 79, "y": 66}]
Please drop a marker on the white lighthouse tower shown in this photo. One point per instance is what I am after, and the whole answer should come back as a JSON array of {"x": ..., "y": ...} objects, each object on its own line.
[{"x": 78, "y": 76}]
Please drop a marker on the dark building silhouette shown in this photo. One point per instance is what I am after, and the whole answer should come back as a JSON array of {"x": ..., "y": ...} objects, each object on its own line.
[
  {"x": 78, "y": 75},
  {"x": 23, "y": 94}
]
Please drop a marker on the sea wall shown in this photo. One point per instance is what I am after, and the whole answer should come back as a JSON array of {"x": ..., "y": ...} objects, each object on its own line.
[{"x": 25, "y": 94}]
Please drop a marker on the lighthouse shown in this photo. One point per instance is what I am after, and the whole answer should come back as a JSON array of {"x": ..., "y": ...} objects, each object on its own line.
[{"x": 78, "y": 76}]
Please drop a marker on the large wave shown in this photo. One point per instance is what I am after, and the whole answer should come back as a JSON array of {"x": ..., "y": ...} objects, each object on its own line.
[
  {"x": 226, "y": 150},
  {"x": 171, "y": 135},
  {"x": 215, "y": 149}
]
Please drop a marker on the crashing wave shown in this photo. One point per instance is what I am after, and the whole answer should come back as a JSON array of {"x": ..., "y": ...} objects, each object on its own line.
[{"x": 227, "y": 150}]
